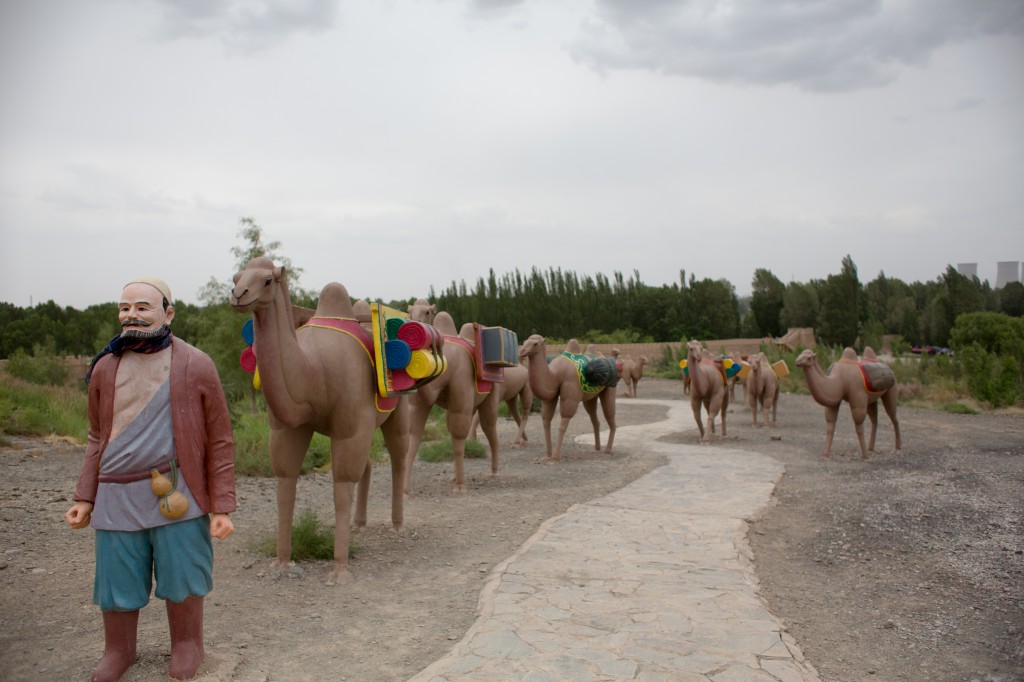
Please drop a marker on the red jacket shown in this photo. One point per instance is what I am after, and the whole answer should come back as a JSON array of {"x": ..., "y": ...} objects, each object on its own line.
[{"x": 202, "y": 428}]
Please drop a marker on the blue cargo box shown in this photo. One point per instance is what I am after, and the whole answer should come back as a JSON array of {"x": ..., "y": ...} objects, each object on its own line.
[{"x": 499, "y": 346}]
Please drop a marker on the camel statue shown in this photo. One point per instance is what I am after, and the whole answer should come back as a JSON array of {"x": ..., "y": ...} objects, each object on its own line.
[
  {"x": 513, "y": 391},
  {"x": 319, "y": 379},
  {"x": 631, "y": 373},
  {"x": 455, "y": 391},
  {"x": 762, "y": 387},
  {"x": 558, "y": 384},
  {"x": 861, "y": 383},
  {"x": 707, "y": 389},
  {"x": 422, "y": 311}
]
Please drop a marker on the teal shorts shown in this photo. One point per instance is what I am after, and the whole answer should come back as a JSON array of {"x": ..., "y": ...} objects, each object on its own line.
[{"x": 179, "y": 556}]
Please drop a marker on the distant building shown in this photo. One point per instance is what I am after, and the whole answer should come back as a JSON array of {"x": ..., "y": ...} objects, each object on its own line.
[
  {"x": 1007, "y": 271},
  {"x": 967, "y": 269}
]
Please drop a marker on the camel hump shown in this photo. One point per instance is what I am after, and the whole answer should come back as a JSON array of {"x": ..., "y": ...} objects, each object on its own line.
[
  {"x": 573, "y": 346},
  {"x": 849, "y": 354},
  {"x": 445, "y": 324},
  {"x": 466, "y": 332},
  {"x": 335, "y": 302}
]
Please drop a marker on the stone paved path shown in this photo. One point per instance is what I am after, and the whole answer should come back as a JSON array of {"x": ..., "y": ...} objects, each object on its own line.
[{"x": 650, "y": 583}]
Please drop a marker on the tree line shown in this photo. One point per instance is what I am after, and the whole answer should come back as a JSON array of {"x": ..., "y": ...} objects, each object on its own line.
[{"x": 562, "y": 304}]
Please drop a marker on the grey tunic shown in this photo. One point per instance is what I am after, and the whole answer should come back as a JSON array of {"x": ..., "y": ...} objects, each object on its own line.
[{"x": 147, "y": 443}]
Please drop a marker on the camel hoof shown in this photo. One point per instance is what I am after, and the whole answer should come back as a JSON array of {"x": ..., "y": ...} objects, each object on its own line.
[
  {"x": 459, "y": 489},
  {"x": 549, "y": 460},
  {"x": 340, "y": 576}
]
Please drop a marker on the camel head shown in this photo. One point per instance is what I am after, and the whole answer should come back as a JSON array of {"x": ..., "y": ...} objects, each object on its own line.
[
  {"x": 421, "y": 311},
  {"x": 807, "y": 358},
  {"x": 254, "y": 285},
  {"x": 642, "y": 361},
  {"x": 757, "y": 361},
  {"x": 695, "y": 348},
  {"x": 532, "y": 346}
]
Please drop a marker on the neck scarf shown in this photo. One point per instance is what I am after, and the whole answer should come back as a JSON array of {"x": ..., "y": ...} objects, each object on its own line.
[{"x": 119, "y": 344}]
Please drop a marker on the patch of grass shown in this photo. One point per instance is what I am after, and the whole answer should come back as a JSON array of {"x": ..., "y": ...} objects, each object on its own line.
[
  {"x": 441, "y": 450},
  {"x": 959, "y": 408},
  {"x": 28, "y": 409},
  {"x": 312, "y": 540},
  {"x": 252, "y": 447}
]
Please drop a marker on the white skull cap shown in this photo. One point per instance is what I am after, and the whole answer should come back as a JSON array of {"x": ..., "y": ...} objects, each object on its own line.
[{"x": 156, "y": 283}]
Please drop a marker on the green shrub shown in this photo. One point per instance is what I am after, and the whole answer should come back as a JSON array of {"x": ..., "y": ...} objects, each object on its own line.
[
  {"x": 42, "y": 367},
  {"x": 441, "y": 450},
  {"x": 312, "y": 540},
  {"x": 991, "y": 378},
  {"x": 959, "y": 408},
  {"x": 29, "y": 409}
]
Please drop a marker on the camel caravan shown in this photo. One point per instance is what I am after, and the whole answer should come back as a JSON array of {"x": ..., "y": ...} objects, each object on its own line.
[{"x": 349, "y": 368}]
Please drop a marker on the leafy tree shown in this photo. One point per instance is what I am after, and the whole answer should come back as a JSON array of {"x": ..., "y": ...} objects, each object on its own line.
[
  {"x": 840, "y": 317},
  {"x": 799, "y": 305},
  {"x": 217, "y": 291},
  {"x": 1011, "y": 299},
  {"x": 992, "y": 348},
  {"x": 767, "y": 301}
]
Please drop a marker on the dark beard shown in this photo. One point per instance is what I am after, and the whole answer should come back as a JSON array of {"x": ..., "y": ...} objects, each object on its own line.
[{"x": 137, "y": 333}]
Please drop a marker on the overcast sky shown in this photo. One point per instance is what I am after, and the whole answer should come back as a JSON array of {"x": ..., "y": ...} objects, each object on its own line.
[{"x": 395, "y": 145}]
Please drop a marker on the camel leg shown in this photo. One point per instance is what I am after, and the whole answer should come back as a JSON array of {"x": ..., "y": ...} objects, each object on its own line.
[
  {"x": 513, "y": 408},
  {"x": 349, "y": 459},
  {"x": 608, "y": 408},
  {"x": 363, "y": 496},
  {"x": 458, "y": 427},
  {"x": 724, "y": 409},
  {"x": 889, "y": 403},
  {"x": 831, "y": 415},
  {"x": 547, "y": 413},
  {"x": 395, "y": 430},
  {"x": 488, "y": 418},
  {"x": 859, "y": 414},
  {"x": 775, "y": 406},
  {"x": 753, "y": 412},
  {"x": 473, "y": 426},
  {"x": 873, "y": 416},
  {"x": 287, "y": 450},
  {"x": 695, "y": 406},
  {"x": 591, "y": 407},
  {"x": 419, "y": 411},
  {"x": 567, "y": 410}
]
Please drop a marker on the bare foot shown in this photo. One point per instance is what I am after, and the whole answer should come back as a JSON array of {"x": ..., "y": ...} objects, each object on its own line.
[{"x": 340, "y": 576}]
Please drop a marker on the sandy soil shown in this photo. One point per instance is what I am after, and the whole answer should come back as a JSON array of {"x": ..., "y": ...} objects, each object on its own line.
[{"x": 905, "y": 567}]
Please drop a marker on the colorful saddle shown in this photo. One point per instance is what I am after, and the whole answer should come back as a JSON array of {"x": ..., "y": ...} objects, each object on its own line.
[{"x": 595, "y": 373}]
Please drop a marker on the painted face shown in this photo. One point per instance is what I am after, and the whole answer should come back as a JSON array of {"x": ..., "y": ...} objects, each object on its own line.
[{"x": 141, "y": 310}]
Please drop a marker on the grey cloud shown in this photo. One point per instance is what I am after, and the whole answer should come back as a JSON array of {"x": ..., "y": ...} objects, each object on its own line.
[
  {"x": 246, "y": 25},
  {"x": 834, "y": 45}
]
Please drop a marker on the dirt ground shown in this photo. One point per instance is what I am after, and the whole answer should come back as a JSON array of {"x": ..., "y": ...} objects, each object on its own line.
[{"x": 904, "y": 567}]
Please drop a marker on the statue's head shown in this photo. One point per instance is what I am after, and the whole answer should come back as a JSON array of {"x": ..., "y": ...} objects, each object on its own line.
[{"x": 144, "y": 307}]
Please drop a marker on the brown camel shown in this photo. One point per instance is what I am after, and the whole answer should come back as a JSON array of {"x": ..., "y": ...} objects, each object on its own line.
[
  {"x": 707, "y": 389},
  {"x": 557, "y": 384},
  {"x": 848, "y": 380},
  {"x": 422, "y": 311},
  {"x": 513, "y": 391},
  {"x": 762, "y": 387},
  {"x": 318, "y": 379},
  {"x": 632, "y": 372},
  {"x": 456, "y": 391}
]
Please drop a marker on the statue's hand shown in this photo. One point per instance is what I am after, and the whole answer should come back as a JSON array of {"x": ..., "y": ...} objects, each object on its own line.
[
  {"x": 79, "y": 515},
  {"x": 221, "y": 526}
]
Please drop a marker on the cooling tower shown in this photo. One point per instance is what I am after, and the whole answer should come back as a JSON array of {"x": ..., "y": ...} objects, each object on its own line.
[
  {"x": 967, "y": 269},
  {"x": 1007, "y": 271}
]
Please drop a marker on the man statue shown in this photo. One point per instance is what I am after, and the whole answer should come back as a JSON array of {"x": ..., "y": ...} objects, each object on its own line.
[{"x": 157, "y": 481}]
